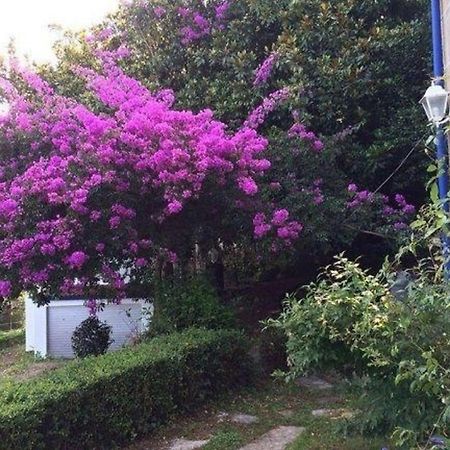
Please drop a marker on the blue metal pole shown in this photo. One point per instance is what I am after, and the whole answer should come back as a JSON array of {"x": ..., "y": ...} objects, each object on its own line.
[{"x": 441, "y": 141}]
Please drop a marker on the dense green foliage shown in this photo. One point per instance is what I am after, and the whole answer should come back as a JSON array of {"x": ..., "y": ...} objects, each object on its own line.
[
  {"x": 91, "y": 337},
  {"x": 181, "y": 304},
  {"x": 103, "y": 401},
  {"x": 398, "y": 344}
]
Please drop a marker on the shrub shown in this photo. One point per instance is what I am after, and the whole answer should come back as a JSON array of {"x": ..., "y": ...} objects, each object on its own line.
[
  {"x": 350, "y": 319},
  {"x": 91, "y": 337},
  {"x": 107, "y": 400},
  {"x": 181, "y": 304}
]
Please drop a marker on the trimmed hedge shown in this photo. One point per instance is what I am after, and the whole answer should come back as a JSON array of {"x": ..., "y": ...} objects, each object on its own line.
[{"x": 101, "y": 402}]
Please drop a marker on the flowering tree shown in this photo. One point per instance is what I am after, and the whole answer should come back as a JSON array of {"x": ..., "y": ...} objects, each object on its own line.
[
  {"x": 94, "y": 197},
  {"x": 268, "y": 58},
  {"x": 98, "y": 184}
]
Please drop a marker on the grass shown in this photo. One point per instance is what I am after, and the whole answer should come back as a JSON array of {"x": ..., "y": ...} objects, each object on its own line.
[
  {"x": 16, "y": 363},
  {"x": 225, "y": 440},
  {"x": 11, "y": 338},
  {"x": 269, "y": 403}
]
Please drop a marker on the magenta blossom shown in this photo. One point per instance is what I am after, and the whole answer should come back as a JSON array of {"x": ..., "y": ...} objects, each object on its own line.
[
  {"x": 77, "y": 259},
  {"x": 5, "y": 288},
  {"x": 112, "y": 188}
]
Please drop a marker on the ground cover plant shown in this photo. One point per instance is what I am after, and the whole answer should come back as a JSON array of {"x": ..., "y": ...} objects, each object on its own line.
[
  {"x": 18, "y": 365},
  {"x": 8, "y": 338}
]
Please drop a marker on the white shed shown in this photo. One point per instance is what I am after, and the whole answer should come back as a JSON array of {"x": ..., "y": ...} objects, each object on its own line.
[{"x": 49, "y": 328}]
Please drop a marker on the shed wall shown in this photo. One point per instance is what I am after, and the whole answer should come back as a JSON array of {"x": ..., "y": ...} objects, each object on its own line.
[{"x": 49, "y": 328}]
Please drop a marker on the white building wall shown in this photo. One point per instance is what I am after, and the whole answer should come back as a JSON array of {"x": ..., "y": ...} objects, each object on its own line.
[
  {"x": 35, "y": 328},
  {"x": 49, "y": 328}
]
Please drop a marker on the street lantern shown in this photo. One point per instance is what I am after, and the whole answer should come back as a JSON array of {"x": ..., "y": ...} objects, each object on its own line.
[{"x": 435, "y": 102}]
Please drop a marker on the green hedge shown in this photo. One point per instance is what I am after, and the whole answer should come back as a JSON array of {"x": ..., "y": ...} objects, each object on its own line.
[{"x": 104, "y": 401}]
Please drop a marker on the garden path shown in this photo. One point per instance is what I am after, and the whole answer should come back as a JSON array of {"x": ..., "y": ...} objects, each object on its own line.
[{"x": 305, "y": 415}]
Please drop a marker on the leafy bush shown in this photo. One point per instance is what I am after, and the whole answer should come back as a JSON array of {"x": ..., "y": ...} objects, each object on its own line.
[
  {"x": 104, "y": 401},
  {"x": 91, "y": 337},
  {"x": 350, "y": 319},
  {"x": 181, "y": 304}
]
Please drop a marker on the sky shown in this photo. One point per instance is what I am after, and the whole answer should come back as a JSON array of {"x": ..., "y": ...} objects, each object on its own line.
[{"x": 27, "y": 21}]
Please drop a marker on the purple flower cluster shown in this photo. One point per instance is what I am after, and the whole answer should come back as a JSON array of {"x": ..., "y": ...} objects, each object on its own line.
[
  {"x": 263, "y": 72},
  {"x": 221, "y": 10},
  {"x": 316, "y": 191},
  {"x": 359, "y": 198},
  {"x": 159, "y": 12},
  {"x": 279, "y": 225},
  {"x": 5, "y": 288},
  {"x": 76, "y": 260},
  {"x": 197, "y": 26},
  {"x": 299, "y": 130},
  {"x": 396, "y": 214},
  {"x": 258, "y": 116}
]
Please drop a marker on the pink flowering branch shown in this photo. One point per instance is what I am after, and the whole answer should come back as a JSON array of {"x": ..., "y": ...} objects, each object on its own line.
[
  {"x": 259, "y": 115},
  {"x": 264, "y": 70}
]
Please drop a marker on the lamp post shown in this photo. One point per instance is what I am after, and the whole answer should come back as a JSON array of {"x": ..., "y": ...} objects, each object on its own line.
[{"x": 435, "y": 103}]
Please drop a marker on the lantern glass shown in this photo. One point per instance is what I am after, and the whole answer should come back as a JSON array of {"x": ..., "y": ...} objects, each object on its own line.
[{"x": 435, "y": 102}]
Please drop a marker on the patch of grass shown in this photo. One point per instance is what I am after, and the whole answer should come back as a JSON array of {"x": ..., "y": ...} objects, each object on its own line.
[
  {"x": 323, "y": 434},
  {"x": 11, "y": 338},
  {"x": 18, "y": 365},
  {"x": 279, "y": 404},
  {"x": 225, "y": 440}
]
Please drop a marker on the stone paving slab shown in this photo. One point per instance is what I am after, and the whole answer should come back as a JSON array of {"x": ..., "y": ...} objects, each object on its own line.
[
  {"x": 185, "y": 444},
  {"x": 276, "y": 439},
  {"x": 340, "y": 413},
  {"x": 245, "y": 419},
  {"x": 314, "y": 383},
  {"x": 287, "y": 413}
]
